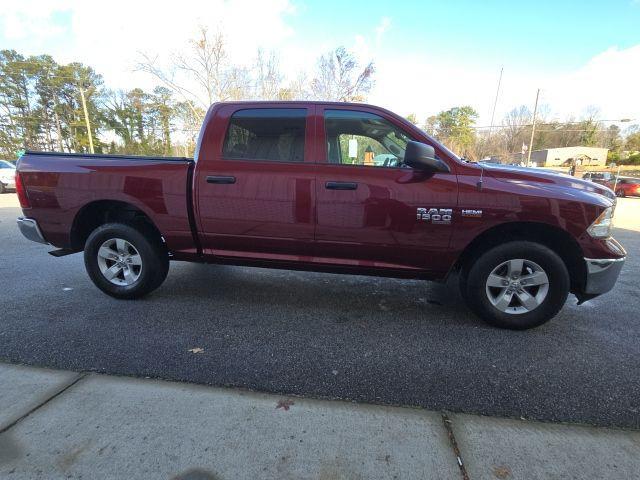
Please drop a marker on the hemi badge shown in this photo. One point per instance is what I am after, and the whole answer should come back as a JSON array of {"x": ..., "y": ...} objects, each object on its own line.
[{"x": 472, "y": 213}]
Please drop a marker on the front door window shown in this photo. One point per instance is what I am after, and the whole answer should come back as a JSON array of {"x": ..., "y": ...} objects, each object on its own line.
[{"x": 362, "y": 138}]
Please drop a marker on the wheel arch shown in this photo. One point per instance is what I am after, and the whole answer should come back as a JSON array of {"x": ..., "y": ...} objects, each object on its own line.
[
  {"x": 99, "y": 212},
  {"x": 555, "y": 238}
]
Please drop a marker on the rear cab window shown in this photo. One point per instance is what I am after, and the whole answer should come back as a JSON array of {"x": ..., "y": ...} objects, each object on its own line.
[{"x": 266, "y": 134}]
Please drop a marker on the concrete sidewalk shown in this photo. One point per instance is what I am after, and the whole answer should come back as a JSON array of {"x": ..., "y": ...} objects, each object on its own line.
[{"x": 56, "y": 424}]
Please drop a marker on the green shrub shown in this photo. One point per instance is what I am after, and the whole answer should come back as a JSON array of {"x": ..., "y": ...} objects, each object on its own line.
[{"x": 631, "y": 160}]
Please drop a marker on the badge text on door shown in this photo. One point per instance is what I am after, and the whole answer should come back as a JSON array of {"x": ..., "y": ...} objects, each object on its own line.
[{"x": 434, "y": 215}]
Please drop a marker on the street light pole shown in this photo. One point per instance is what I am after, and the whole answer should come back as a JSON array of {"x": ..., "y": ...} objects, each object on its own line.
[{"x": 533, "y": 129}]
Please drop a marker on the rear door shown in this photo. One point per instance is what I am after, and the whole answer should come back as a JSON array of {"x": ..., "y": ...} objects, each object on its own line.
[
  {"x": 372, "y": 210},
  {"x": 255, "y": 185}
]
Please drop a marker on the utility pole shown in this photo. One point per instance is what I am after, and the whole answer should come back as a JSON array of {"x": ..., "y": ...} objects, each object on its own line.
[
  {"x": 58, "y": 129},
  {"x": 533, "y": 130},
  {"x": 495, "y": 102},
  {"x": 86, "y": 118}
]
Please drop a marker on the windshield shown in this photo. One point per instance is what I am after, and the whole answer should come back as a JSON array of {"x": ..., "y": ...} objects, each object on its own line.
[{"x": 5, "y": 164}]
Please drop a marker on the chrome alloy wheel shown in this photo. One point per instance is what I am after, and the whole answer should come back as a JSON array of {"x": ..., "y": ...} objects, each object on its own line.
[
  {"x": 517, "y": 286},
  {"x": 119, "y": 262}
]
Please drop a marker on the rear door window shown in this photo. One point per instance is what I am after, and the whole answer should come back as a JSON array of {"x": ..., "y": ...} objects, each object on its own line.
[{"x": 266, "y": 134}]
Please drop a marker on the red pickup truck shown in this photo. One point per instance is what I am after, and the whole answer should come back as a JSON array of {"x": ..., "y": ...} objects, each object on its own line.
[{"x": 334, "y": 187}]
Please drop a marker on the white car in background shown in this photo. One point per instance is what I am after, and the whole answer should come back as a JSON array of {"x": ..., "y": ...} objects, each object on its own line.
[{"x": 7, "y": 176}]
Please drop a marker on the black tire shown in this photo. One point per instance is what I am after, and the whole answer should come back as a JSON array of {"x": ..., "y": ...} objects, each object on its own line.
[
  {"x": 151, "y": 249},
  {"x": 620, "y": 193},
  {"x": 477, "y": 297},
  {"x": 2, "y": 188}
]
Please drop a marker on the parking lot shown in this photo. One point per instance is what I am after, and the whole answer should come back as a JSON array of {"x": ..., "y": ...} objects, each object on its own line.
[{"x": 373, "y": 340}]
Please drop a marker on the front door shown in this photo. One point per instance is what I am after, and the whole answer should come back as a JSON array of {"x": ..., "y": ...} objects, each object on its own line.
[
  {"x": 255, "y": 190},
  {"x": 372, "y": 210}
]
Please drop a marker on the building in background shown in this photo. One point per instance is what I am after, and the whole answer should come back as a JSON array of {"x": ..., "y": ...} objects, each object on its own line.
[{"x": 568, "y": 156}]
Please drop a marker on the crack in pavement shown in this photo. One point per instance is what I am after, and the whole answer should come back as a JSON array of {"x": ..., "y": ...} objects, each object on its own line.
[
  {"x": 454, "y": 445},
  {"x": 55, "y": 394}
]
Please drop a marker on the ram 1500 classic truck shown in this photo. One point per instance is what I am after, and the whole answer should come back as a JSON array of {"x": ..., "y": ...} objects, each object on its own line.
[{"x": 334, "y": 187}]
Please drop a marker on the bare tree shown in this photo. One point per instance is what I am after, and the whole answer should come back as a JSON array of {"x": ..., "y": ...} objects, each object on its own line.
[
  {"x": 268, "y": 81},
  {"x": 337, "y": 77},
  {"x": 191, "y": 122},
  {"x": 168, "y": 78},
  {"x": 516, "y": 125},
  {"x": 206, "y": 64},
  {"x": 485, "y": 145},
  {"x": 589, "y": 126},
  {"x": 296, "y": 89}
]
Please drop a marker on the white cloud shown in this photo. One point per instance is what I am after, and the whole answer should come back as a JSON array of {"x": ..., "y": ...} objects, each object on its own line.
[
  {"x": 111, "y": 36},
  {"x": 425, "y": 86},
  {"x": 608, "y": 81},
  {"x": 381, "y": 29}
]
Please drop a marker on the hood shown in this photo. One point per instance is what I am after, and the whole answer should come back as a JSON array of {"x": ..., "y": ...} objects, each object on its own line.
[{"x": 548, "y": 179}]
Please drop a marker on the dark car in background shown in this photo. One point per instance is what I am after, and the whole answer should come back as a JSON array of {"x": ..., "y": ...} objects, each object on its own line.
[{"x": 603, "y": 178}]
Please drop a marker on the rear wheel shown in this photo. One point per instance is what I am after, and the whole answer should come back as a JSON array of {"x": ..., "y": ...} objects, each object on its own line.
[
  {"x": 620, "y": 193},
  {"x": 126, "y": 260},
  {"x": 517, "y": 285},
  {"x": 2, "y": 188}
]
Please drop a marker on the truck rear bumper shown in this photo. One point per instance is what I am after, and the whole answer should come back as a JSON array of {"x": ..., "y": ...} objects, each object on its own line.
[
  {"x": 30, "y": 229},
  {"x": 602, "y": 274}
]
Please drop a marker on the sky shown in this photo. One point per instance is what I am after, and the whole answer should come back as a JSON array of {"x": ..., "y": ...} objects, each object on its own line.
[{"x": 429, "y": 55}]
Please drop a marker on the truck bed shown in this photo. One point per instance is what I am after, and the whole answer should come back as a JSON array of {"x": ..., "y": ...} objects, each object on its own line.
[{"x": 62, "y": 185}]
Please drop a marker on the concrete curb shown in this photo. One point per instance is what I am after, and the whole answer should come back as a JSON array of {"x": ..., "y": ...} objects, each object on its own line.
[{"x": 57, "y": 424}]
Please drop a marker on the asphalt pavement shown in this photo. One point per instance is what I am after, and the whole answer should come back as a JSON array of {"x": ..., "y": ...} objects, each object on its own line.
[{"x": 372, "y": 340}]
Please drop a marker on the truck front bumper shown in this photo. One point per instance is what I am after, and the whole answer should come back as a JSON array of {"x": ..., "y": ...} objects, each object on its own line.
[
  {"x": 30, "y": 229},
  {"x": 602, "y": 274}
]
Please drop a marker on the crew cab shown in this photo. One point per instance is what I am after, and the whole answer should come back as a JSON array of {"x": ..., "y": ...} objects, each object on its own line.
[{"x": 332, "y": 187}]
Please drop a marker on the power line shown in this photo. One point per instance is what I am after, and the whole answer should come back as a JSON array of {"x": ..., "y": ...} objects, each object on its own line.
[
  {"x": 30, "y": 74},
  {"x": 623, "y": 120}
]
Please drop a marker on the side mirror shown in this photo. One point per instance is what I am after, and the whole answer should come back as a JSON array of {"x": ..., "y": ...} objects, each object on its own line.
[{"x": 423, "y": 157}]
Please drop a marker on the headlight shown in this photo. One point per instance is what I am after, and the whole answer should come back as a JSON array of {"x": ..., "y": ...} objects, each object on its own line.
[{"x": 601, "y": 227}]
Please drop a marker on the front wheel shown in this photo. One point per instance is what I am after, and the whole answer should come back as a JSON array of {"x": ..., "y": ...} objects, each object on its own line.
[
  {"x": 126, "y": 260},
  {"x": 517, "y": 285},
  {"x": 620, "y": 193}
]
